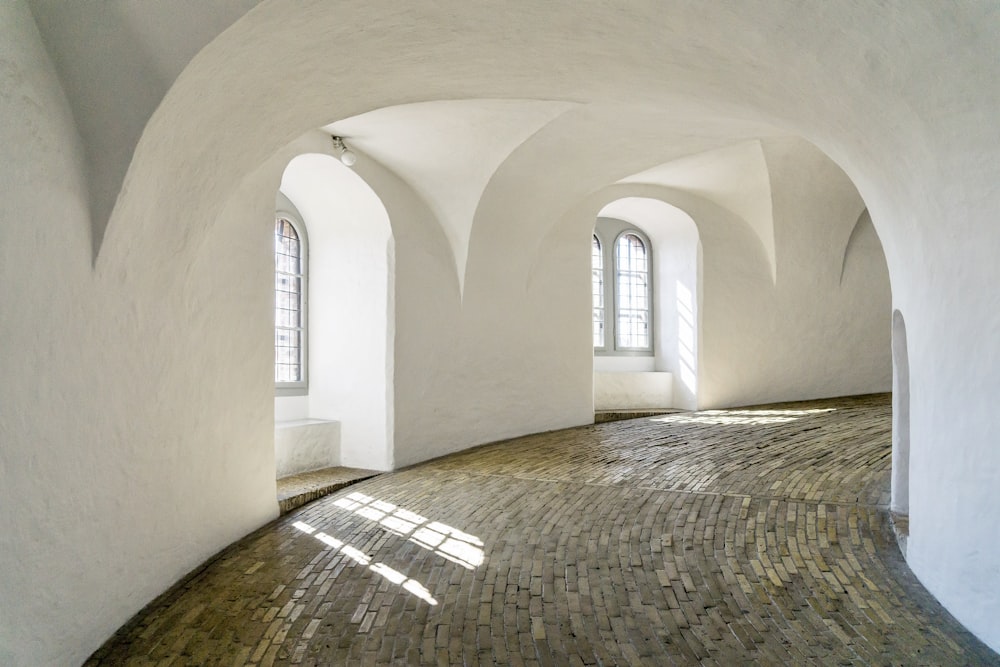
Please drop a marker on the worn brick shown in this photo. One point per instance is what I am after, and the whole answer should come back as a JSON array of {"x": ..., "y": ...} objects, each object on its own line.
[{"x": 758, "y": 535}]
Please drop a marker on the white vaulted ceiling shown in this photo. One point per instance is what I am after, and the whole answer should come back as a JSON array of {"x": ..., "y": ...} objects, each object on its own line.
[{"x": 139, "y": 384}]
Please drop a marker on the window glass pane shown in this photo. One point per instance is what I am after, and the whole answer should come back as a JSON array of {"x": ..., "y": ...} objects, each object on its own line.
[
  {"x": 287, "y": 318},
  {"x": 284, "y": 263},
  {"x": 285, "y": 283},
  {"x": 632, "y": 292},
  {"x": 597, "y": 282},
  {"x": 288, "y": 290},
  {"x": 286, "y": 248}
]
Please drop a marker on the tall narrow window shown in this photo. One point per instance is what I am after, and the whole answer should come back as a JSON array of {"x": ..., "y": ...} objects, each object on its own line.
[
  {"x": 622, "y": 291},
  {"x": 597, "y": 289},
  {"x": 289, "y": 305},
  {"x": 632, "y": 294}
]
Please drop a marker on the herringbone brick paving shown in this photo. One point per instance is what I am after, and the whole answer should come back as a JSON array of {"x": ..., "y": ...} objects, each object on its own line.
[{"x": 756, "y": 536}]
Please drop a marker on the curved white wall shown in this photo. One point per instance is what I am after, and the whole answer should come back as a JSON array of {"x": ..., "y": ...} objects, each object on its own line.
[
  {"x": 124, "y": 463},
  {"x": 810, "y": 334},
  {"x": 144, "y": 390}
]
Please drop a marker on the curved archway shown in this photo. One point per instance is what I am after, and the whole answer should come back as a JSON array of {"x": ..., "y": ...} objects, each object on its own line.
[
  {"x": 237, "y": 103},
  {"x": 632, "y": 381},
  {"x": 351, "y": 264}
]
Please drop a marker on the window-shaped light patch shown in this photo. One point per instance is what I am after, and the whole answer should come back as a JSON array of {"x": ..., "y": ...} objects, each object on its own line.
[
  {"x": 304, "y": 527},
  {"x": 740, "y": 417},
  {"x": 685, "y": 337},
  {"x": 398, "y": 525},
  {"x": 428, "y": 538},
  {"x": 392, "y": 575},
  {"x": 355, "y": 554},
  {"x": 395, "y": 576},
  {"x": 329, "y": 541},
  {"x": 451, "y": 543},
  {"x": 444, "y": 540},
  {"x": 370, "y": 513}
]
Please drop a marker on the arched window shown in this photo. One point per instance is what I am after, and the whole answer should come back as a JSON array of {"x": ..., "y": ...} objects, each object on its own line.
[
  {"x": 289, "y": 306},
  {"x": 623, "y": 305},
  {"x": 632, "y": 292},
  {"x": 597, "y": 282}
]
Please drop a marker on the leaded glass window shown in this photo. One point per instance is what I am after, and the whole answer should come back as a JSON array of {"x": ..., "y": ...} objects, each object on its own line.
[
  {"x": 597, "y": 290},
  {"x": 632, "y": 293},
  {"x": 621, "y": 289},
  {"x": 289, "y": 304}
]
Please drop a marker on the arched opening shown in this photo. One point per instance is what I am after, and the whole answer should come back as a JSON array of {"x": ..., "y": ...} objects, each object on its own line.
[
  {"x": 291, "y": 273},
  {"x": 900, "y": 427},
  {"x": 646, "y": 306},
  {"x": 343, "y": 416}
]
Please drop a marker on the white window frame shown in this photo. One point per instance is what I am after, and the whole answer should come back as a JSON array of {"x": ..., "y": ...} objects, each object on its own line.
[
  {"x": 613, "y": 230},
  {"x": 599, "y": 304},
  {"x": 301, "y": 387}
]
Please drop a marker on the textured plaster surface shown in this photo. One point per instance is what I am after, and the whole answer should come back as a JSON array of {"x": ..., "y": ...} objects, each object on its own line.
[
  {"x": 633, "y": 391},
  {"x": 141, "y": 48},
  {"x": 118, "y": 433},
  {"x": 144, "y": 390},
  {"x": 735, "y": 177},
  {"x": 812, "y": 333},
  {"x": 447, "y": 151},
  {"x": 305, "y": 445}
]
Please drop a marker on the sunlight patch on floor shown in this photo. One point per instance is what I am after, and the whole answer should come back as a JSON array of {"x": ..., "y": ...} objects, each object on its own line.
[
  {"x": 741, "y": 417},
  {"x": 444, "y": 540},
  {"x": 359, "y": 557}
]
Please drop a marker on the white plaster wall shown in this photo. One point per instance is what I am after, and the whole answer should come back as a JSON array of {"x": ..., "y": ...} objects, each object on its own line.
[
  {"x": 427, "y": 416},
  {"x": 906, "y": 112},
  {"x": 350, "y": 254},
  {"x": 823, "y": 328},
  {"x": 481, "y": 134},
  {"x": 735, "y": 177},
  {"x": 304, "y": 445},
  {"x": 677, "y": 305},
  {"x": 143, "y": 47},
  {"x": 291, "y": 408},
  {"x": 621, "y": 364},
  {"x": 126, "y": 461},
  {"x": 633, "y": 390}
]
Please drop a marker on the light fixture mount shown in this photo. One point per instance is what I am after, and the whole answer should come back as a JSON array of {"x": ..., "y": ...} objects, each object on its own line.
[{"x": 346, "y": 155}]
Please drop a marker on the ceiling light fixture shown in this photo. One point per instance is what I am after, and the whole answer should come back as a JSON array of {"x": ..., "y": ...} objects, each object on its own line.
[{"x": 347, "y": 156}]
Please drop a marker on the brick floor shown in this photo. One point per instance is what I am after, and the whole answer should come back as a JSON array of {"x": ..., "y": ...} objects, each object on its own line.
[{"x": 755, "y": 536}]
